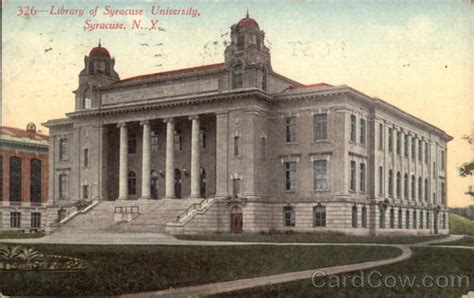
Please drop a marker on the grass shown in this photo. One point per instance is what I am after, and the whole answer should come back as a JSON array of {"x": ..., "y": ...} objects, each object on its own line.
[
  {"x": 114, "y": 270},
  {"x": 311, "y": 238},
  {"x": 466, "y": 241},
  {"x": 460, "y": 225},
  {"x": 434, "y": 262},
  {"x": 19, "y": 235}
]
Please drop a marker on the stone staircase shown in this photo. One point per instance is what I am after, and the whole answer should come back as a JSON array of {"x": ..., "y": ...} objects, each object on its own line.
[{"x": 152, "y": 217}]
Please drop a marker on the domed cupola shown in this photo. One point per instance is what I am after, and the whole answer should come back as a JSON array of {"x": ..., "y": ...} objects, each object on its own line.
[
  {"x": 246, "y": 57},
  {"x": 98, "y": 72}
]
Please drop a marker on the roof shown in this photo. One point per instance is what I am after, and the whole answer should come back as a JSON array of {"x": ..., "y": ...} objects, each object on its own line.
[
  {"x": 99, "y": 52},
  {"x": 13, "y": 134},
  {"x": 310, "y": 86},
  {"x": 196, "y": 69},
  {"x": 247, "y": 22}
]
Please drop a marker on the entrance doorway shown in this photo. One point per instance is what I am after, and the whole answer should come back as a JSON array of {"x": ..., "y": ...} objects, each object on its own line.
[
  {"x": 236, "y": 220},
  {"x": 177, "y": 183},
  {"x": 154, "y": 185}
]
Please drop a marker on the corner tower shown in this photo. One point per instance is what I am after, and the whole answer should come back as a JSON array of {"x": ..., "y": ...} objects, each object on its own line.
[
  {"x": 247, "y": 58},
  {"x": 98, "y": 71}
]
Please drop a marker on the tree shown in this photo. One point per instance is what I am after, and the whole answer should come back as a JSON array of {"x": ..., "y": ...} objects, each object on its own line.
[{"x": 467, "y": 169}]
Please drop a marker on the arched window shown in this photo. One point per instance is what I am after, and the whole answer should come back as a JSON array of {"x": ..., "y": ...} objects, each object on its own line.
[
  {"x": 426, "y": 190},
  {"x": 354, "y": 216},
  {"x": 364, "y": 217},
  {"x": 91, "y": 67},
  {"x": 405, "y": 186},
  {"x": 390, "y": 183},
  {"x": 407, "y": 219},
  {"x": 202, "y": 182},
  {"x": 319, "y": 216},
  {"x": 237, "y": 76},
  {"x": 132, "y": 183},
  {"x": 15, "y": 178},
  {"x": 400, "y": 222},
  {"x": 399, "y": 185},
  {"x": 413, "y": 187},
  {"x": 178, "y": 140},
  {"x": 392, "y": 218},
  {"x": 240, "y": 42},
  {"x": 420, "y": 189},
  {"x": 382, "y": 218},
  {"x": 35, "y": 180}
]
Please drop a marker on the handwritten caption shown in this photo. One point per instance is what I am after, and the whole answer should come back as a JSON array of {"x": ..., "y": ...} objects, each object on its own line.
[{"x": 90, "y": 15}]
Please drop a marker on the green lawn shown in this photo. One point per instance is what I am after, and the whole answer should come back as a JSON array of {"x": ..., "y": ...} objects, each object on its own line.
[
  {"x": 311, "y": 238},
  {"x": 19, "y": 235},
  {"x": 466, "y": 241},
  {"x": 116, "y": 270},
  {"x": 460, "y": 225},
  {"x": 435, "y": 262}
]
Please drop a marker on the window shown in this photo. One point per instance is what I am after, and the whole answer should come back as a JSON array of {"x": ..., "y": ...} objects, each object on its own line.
[
  {"x": 442, "y": 160},
  {"x": 264, "y": 72},
  {"x": 320, "y": 174},
  {"x": 443, "y": 193},
  {"x": 320, "y": 127},
  {"x": 132, "y": 183},
  {"x": 382, "y": 218},
  {"x": 407, "y": 219},
  {"x": 381, "y": 181},
  {"x": 15, "y": 219},
  {"x": 421, "y": 219},
  {"x": 434, "y": 198},
  {"x": 420, "y": 189},
  {"x": 399, "y": 142},
  {"x": 390, "y": 183},
  {"x": 413, "y": 148},
  {"x": 202, "y": 182},
  {"x": 414, "y": 219},
  {"x": 362, "y": 131},
  {"x": 413, "y": 187},
  {"x": 289, "y": 216},
  {"x": 63, "y": 149},
  {"x": 392, "y": 219},
  {"x": 36, "y": 220},
  {"x": 235, "y": 187},
  {"x": 236, "y": 146},
  {"x": 354, "y": 216},
  {"x": 132, "y": 144},
  {"x": 353, "y": 128},
  {"x": 237, "y": 76},
  {"x": 405, "y": 145},
  {"x": 86, "y": 157},
  {"x": 400, "y": 222},
  {"x": 444, "y": 220},
  {"x": 362, "y": 177},
  {"x": 426, "y": 190},
  {"x": 203, "y": 138},
  {"x": 390, "y": 140},
  {"x": 63, "y": 186},
  {"x": 364, "y": 217},
  {"x": 420, "y": 150},
  {"x": 434, "y": 169},
  {"x": 85, "y": 191},
  {"x": 154, "y": 141},
  {"x": 319, "y": 216},
  {"x": 380, "y": 136},
  {"x": 35, "y": 180},
  {"x": 178, "y": 140},
  {"x": 353, "y": 176},
  {"x": 290, "y": 176},
  {"x": 428, "y": 223},
  {"x": 399, "y": 185},
  {"x": 87, "y": 103},
  {"x": 405, "y": 186},
  {"x": 426, "y": 152},
  {"x": 290, "y": 129}
]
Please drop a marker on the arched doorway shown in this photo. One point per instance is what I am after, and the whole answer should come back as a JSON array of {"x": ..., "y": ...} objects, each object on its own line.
[
  {"x": 202, "y": 182},
  {"x": 154, "y": 185},
  {"x": 177, "y": 183},
  {"x": 236, "y": 220}
]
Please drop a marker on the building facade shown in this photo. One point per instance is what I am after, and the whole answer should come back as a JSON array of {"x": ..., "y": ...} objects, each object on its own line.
[
  {"x": 250, "y": 150},
  {"x": 24, "y": 180}
]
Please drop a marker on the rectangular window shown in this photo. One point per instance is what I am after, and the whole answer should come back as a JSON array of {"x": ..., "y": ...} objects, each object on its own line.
[
  {"x": 392, "y": 218},
  {"x": 320, "y": 127},
  {"x": 154, "y": 141},
  {"x": 236, "y": 146},
  {"x": 353, "y": 176},
  {"x": 132, "y": 144},
  {"x": 362, "y": 177},
  {"x": 289, "y": 216},
  {"x": 421, "y": 219},
  {"x": 400, "y": 220},
  {"x": 362, "y": 131},
  {"x": 390, "y": 140},
  {"x": 413, "y": 148},
  {"x": 426, "y": 152},
  {"x": 235, "y": 187},
  {"x": 414, "y": 219},
  {"x": 85, "y": 191},
  {"x": 63, "y": 186},
  {"x": 353, "y": 128},
  {"x": 399, "y": 142},
  {"x": 428, "y": 221},
  {"x": 36, "y": 220},
  {"x": 434, "y": 169},
  {"x": 406, "y": 144},
  {"x": 290, "y": 176},
  {"x": 407, "y": 219},
  {"x": 86, "y": 157},
  {"x": 364, "y": 217},
  {"x": 381, "y": 181},
  {"x": 320, "y": 174},
  {"x": 380, "y": 136},
  {"x": 290, "y": 129},
  {"x": 15, "y": 219},
  {"x": 203, "y": 138},
  {"x": 442, "y": 160},
  {"x": 382, "y": 218},
  {"x": 420, "y": 150},
  {"x": 63, "y": 149},
  {"x": 319, "y": 216}
]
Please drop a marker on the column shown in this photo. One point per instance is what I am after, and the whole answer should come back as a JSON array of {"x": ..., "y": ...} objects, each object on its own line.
[
  {"x": 146, "y": 169},
  {"x": 169, "y": 178},
  {"x": 123, "y": 162},
  {"x": 222, "y": 137},
  {"x": 195, "y": 158}
]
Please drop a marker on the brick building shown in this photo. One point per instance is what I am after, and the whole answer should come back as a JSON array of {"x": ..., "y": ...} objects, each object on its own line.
[
  {"x": 24, "y": 180},
  {"x": 237, "y": 147}
]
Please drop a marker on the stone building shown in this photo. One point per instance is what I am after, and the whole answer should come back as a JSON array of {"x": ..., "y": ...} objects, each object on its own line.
[
  {"x": 237, "y": 147},
  {"x": 24, "y": 178}
]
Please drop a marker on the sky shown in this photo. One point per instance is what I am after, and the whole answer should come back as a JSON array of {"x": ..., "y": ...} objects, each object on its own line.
[{"x": 416, "y": 55}]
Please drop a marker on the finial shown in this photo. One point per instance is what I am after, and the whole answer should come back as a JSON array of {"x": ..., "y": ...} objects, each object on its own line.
[
  {"x": 99, "y": 43},
  {"x": 247, "y": 12}
]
